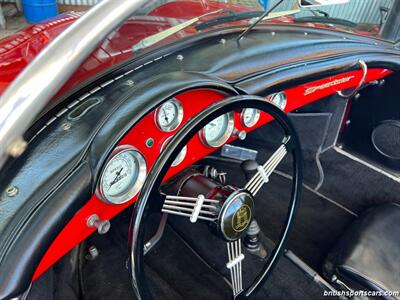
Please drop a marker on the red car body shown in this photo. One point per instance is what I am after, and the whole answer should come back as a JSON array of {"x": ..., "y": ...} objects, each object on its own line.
[{"x": 18, "y": 50}]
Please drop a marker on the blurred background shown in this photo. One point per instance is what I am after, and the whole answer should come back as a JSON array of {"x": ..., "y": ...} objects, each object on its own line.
[{"x": 17, "y": 14}]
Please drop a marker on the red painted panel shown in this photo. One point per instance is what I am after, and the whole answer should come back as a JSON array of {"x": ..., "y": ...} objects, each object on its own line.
[{"x": 193, "y": 102}]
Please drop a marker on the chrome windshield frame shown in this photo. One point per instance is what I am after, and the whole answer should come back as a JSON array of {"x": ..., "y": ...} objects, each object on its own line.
[{"x": 39, "y": 82}]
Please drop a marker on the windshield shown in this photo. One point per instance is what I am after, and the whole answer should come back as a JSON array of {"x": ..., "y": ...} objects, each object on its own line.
[
  {"x": 152, "y": 23},
  {"x": 374, "y": 18}
]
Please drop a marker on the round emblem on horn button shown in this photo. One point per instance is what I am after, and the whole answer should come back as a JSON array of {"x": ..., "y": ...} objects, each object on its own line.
[{"x": 236, "y": 215}]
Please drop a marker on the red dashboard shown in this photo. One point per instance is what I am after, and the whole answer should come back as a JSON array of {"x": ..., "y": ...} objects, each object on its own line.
[{"x": 192, "y": 103}]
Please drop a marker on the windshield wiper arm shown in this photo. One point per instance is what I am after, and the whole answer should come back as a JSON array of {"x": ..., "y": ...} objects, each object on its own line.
[
  {"x": 162, "y": 35},
  {"x": 321, "y": 12},
  {"x": 266, "y": 13},
  {"x": 229, "y": 18}
]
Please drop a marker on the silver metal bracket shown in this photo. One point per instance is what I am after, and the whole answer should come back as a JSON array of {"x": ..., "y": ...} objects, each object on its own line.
[
  {"x": 364, "y": 68},
  {"x": 157, "y": 237}
]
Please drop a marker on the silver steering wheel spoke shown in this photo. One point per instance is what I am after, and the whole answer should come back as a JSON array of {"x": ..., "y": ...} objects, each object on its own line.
[
  {"x": 234, "y": 264},
  {"x": 265, "y": 171},
  {"x": 198, "y": 208}
]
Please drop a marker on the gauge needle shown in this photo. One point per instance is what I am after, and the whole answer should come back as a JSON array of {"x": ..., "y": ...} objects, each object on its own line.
[
  {"x": 116, "y": 178},
  {"x": 165, "y": 116}
]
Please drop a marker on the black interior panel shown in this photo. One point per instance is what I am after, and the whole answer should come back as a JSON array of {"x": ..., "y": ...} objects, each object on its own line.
[{"x": 372, "y": 129}]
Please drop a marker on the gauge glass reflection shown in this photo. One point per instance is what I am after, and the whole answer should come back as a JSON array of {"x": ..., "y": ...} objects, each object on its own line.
[
  {"x": 250, "y": 117},
  {"x": 218, "y": 131},
  {"x": 280, "y": 100},
  {"x": 122, "y": 176}
]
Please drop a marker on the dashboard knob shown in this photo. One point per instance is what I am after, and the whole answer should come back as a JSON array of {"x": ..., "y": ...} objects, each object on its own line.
[
  {"x": 103, "y": 226},
  {"x": 241, "y": 134}
]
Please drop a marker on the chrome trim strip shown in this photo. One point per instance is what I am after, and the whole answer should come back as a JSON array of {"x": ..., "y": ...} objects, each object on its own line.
[
  {"x": 234, "y": 264},
  {"x": 355, "y": 158}
]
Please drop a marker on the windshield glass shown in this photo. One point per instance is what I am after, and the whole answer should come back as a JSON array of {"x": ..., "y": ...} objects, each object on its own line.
[{"x": 374, "y": 18}]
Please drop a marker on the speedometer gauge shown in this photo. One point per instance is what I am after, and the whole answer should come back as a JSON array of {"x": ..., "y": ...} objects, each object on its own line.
[
  {"x": 218, "y": 131},
  {"x": 169, "y": 115},
  {"x": 249, "y": 117},
  {"x": 123, "y": 176}
]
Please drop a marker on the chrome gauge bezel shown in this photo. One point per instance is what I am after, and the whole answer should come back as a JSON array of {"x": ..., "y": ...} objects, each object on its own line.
[
  {"x": 180, "y": 158},
  {"x": 223, "y": 138},
  {"x": 255, "y": 119},
  {"x": 135, "y": 188},
  {"x": 177, "y": 120},
  {"x": 273, "y": 100}
]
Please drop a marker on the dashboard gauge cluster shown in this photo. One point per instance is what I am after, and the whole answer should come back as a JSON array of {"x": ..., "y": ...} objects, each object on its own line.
[
  {"x": 169, "y": 115},
  {"x": 123, "y": 175},
  {"x": 218, "y": 131},
  {"x": 125, "y": 171}
]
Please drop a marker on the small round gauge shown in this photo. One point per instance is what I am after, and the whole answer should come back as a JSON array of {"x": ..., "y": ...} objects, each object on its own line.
[
  {"x": 218, "y": 131},
  {"x": 250, "y": 116},
  {"x": 169, "y": 115},
  {"x": 123, "y": 176},
  {"x": 279, "y": 100},
  {"x": 180, "y": 157}
]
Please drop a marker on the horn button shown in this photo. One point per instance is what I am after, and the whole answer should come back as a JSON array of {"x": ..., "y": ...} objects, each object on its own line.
[{"x": 236, "y": 215}]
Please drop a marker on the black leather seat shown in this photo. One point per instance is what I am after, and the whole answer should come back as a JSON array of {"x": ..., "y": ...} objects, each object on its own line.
[{"x": 367, "y": 257}]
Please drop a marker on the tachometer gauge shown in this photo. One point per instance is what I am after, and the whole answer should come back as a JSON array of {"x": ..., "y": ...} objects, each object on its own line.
[
  {"x": 279, "y": 100},
  {"x": 250, "y": 116},
  {"x": 218, "y": 131},
  {"x": 169, "y": 115},
  {"x": 180, "y": 157},
  {"x": 123, "y": 176}
]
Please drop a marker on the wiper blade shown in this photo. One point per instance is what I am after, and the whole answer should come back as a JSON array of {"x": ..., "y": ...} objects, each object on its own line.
[
  {"x": 229, "y": 18},
  {"x": 158, "y": 37},
  {"x": 318, "y": 19}
]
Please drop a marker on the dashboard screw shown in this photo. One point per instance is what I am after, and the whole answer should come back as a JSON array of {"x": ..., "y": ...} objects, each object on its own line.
[
  {"x": 130, "y": 82},
  {"x": 93, "y": 253},
  {"x": 17, "y": 147},
  {"x": 66, "y": 126},
  {"x": 12, "y": 191}
]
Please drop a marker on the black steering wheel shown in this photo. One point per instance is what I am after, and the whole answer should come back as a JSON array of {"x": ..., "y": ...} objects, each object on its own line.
[{"x": 224, "y": 215}]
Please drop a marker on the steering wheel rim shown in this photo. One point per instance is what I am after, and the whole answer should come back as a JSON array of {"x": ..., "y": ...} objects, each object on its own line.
[{"x": 161, "y": 166}]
